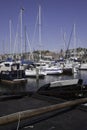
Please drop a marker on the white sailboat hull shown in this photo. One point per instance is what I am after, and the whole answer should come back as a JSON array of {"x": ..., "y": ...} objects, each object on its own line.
[
  {"x": 34, "y": 73},
  {"x": 53, "y": 70}
]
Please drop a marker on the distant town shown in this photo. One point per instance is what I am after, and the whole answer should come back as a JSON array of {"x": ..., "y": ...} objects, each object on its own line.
[{"x": 79, "y": 53}]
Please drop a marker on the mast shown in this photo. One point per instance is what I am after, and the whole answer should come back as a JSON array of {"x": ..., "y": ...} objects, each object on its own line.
[
  {"x": 40, "y": 28},
  {"x": 29, "y": 46},
  {"x": 10, "y": 34},
  {"x": 3, "y": 46},
  {"x": 74, "y": 31},
  {"x": 21, "y": 13},
  {"x": 64, "y": 38},
  {"x": 25, "y": 39}
]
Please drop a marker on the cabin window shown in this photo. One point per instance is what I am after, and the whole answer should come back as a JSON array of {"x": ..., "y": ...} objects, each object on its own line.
[{"x": 7, "y": 65}]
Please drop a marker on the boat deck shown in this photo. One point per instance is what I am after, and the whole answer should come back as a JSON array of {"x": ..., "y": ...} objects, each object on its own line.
[{"x": 66, "y": 119}]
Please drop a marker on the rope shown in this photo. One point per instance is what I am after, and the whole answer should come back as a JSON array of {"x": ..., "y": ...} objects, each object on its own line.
[{"x": 18, "y": 121}]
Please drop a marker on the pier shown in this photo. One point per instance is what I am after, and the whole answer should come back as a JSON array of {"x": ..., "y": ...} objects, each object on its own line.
[{"x": 45, "y": 112}]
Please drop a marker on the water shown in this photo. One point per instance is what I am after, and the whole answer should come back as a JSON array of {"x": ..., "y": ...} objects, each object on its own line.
[{"x": 33, "y": 85}]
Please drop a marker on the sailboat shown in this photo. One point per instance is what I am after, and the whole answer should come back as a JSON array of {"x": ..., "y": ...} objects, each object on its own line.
[
  {"x": 70, "y": 67},
  {"x": 52, "y": 69},
  {"x": 33, "y": 71},
  {"x": 12, "y": 72}
]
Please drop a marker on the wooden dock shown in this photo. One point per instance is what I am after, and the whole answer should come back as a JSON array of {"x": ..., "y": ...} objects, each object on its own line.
[
  {"x": 21, "y": 81},
  {"x": 47, "y": 113}
]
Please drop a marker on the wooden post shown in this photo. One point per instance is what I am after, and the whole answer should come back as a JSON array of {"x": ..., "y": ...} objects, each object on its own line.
[
  {"x": 35, "y": 112},
  {"x": 37, "y": 73}
]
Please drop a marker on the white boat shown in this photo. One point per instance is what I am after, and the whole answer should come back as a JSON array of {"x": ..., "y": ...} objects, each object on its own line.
[
  {"x": 62, "y": 84},
  {"x": 52, "y": 70},
  {"x": 35, "y": 73},
  {"x": 70, "y": 68},
  {"x": 66, "y": 89},
  {"x": 11, "y": 72},
  {"x": 69, "y": 82},
  {"x": 83, "y": 66}
]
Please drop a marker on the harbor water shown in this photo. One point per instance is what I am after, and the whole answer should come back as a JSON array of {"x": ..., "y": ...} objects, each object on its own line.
[{"x": 33, "y": 84}]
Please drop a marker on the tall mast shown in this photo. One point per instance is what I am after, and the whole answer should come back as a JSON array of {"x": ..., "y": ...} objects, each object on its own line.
[
  {"x": 64, "y": 38},
  {"x": 40, "y": 28},
  {"x": 25, "y": 39},
  {"x": 74, "y": 31},
  {"x": 21, "y": 13},
  {"x": 39, "y": 24},
  {"x": 3, "y": 46},
  {"x": 10, "y": 34}
]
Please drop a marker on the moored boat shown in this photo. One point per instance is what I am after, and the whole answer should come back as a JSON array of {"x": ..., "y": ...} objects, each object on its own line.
[
  {"x": 12, "y": 73},
  {"x": 52, "y": 69},
  {"x": 83, "y": 66},
  {"x": 34, "y": 72},
  {"x": 67, "y": 89}
]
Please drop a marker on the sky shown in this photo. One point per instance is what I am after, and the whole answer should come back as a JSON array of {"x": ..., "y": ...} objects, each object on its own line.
[{"x": 57, "y": 20}]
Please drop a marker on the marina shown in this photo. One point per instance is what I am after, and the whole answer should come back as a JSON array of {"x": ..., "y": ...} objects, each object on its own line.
[
  {"x": 32, "y": 97},
  {"x": 43, "y": 65},
  {"x": 24, "y": 110}
]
